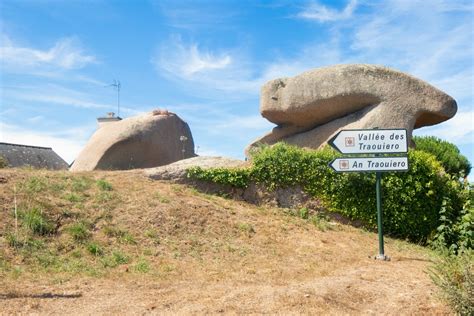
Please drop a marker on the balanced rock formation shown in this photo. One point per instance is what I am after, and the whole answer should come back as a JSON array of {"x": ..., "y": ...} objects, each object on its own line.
[
  {"x": 313, "y": 106},
  {"x": 144, "y": 141}
]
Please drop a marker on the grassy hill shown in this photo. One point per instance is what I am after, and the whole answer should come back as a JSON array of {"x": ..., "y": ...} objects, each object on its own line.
[{"x": 118, "y": 242}]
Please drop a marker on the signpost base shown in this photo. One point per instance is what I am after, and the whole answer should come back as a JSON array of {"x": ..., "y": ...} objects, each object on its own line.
[{"x": 382, "y": 257}]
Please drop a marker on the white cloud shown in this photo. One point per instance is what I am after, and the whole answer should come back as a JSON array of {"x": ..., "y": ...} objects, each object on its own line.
[
  {"x": 66, "y": 144},
  {"x": 189, "y": 61},
  {"x": 231, "y": 71},
  {"x": 217, "y": 71},
  {"x": 318, "y": 12},
  {"x": 52, "y": 94},
  {"x": 65, "y": 54},
  {"x": 459, "y": 129}
]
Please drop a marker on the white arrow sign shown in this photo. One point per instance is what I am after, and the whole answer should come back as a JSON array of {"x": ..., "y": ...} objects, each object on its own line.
[
  {"x": 369, "y": 164},
  {"x": 370, "y": 141}
]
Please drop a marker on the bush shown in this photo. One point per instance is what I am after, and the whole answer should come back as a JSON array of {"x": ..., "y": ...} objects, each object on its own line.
[
  {"x": 238, "y": 178},
  {"x": 454, "y": 275},
  {"x": 412, "y": 200},
  {"x": 447, "y": 154}
]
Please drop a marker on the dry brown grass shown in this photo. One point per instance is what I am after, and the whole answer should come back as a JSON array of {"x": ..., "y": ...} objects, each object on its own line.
[{"x": 189, "y": 252}]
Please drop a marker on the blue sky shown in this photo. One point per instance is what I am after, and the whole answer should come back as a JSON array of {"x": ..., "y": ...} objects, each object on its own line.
[{"x": 206, "y": 61}]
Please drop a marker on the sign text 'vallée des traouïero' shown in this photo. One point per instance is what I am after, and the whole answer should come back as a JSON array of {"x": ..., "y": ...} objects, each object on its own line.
[
  {"x": 370, "y": 141},
  {"x": 373, "y": 141}
]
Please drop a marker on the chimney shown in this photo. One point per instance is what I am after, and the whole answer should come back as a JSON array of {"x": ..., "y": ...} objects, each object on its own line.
[{"x": 110, "y": 118}]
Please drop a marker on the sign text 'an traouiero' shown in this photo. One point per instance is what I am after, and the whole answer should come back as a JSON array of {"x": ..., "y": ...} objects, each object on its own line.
[{"x": 364, "y": 164}]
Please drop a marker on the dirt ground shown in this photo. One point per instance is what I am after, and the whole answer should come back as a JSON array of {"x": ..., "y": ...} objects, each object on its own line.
[
  {"x": 398, "y": 287},
  {"x": 222, "y": 256}
]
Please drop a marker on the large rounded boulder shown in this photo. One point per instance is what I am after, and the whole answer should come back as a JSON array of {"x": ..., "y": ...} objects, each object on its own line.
[
  {"x": 145, "y": 141},
  {"x": 313, "y": 106}
]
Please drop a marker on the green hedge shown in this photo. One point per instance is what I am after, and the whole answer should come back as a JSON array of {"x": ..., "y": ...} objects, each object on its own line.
[{"x": 412, "y": 200}]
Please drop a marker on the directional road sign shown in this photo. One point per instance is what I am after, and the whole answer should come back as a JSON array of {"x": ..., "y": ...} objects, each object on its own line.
[
  {"x": 353, "y": 164},
  {"x": 370, "y": 141}
]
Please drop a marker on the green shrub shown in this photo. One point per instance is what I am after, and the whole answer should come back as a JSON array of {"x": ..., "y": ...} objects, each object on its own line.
[
  {"x": 455, "y": 277},
  {"x": 234, "y": 177},
  {"x": 447, "y": 154}
]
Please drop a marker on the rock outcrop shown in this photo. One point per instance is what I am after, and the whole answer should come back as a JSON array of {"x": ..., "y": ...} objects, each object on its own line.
[
  {"x": 313, "y": 106},
  {"x": 145, "y": 141},
  {"x": 177, "y": 171}
]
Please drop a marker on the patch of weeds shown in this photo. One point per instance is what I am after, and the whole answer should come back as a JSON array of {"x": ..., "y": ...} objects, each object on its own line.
[
  {"x": 13, "y": 240},
  {"x": 3, "y": 162},
  {"x": 289, "y": 211},
  {"x": 58, "y": 187},
  {"x": 36, "y": 222},
  {"x": 4, "y": 265},
  {"x": 68, "y": 213},
  {"x": 121, "y": 235},
  {"x": 17, "y": 272},
  {"x": 36, "y": 184},
  {"x": 115, "y": 259},
  {"x": 225, "y": 195},
  {"x": 80, "y": 184},
  {"x": 246, "y": 228},
  {"x": 31, "y": 245},
  {"x": 47, "y": 259},
  {"x": 303, "y": 213},
  {"x": 142, "y": 266},
  {"x": 167, "y": 268},
  {"x": 127, "y": 238},
  {"x": 104, "y": 185},
  {"x": 194, "y": 191},
  {"x": 80, "y": 231},
  {"x": 73, "y": 197},
  {"x": 104, "y": 197},
  {"x": 454, "y": 274},
  {"x": 162, "y": 198},
  {"x": 77, "y": 253},
  {"x": 177, "y": 188},
  {"x": 320, "y": 222},
  {"x": 95, "y": 249},
  {"x": 153, "y": 235},
  {"x": 148, "y": 252}
]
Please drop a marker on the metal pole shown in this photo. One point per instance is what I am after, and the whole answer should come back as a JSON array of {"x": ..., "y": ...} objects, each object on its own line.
[
  {"x": 378, "y": 176},
  {"x": 118, "y": 99},
  {"x": 378, "y": 190}
]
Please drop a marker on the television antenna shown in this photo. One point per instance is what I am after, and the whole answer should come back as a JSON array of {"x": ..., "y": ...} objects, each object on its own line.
[{"x": 116, "y": 84}]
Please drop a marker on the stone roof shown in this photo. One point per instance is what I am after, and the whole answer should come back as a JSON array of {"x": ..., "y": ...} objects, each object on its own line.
[{"x": 37, "y": 157}]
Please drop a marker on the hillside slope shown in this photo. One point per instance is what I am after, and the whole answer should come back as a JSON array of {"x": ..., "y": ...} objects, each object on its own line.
[{"x": 117, "y": 242}]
